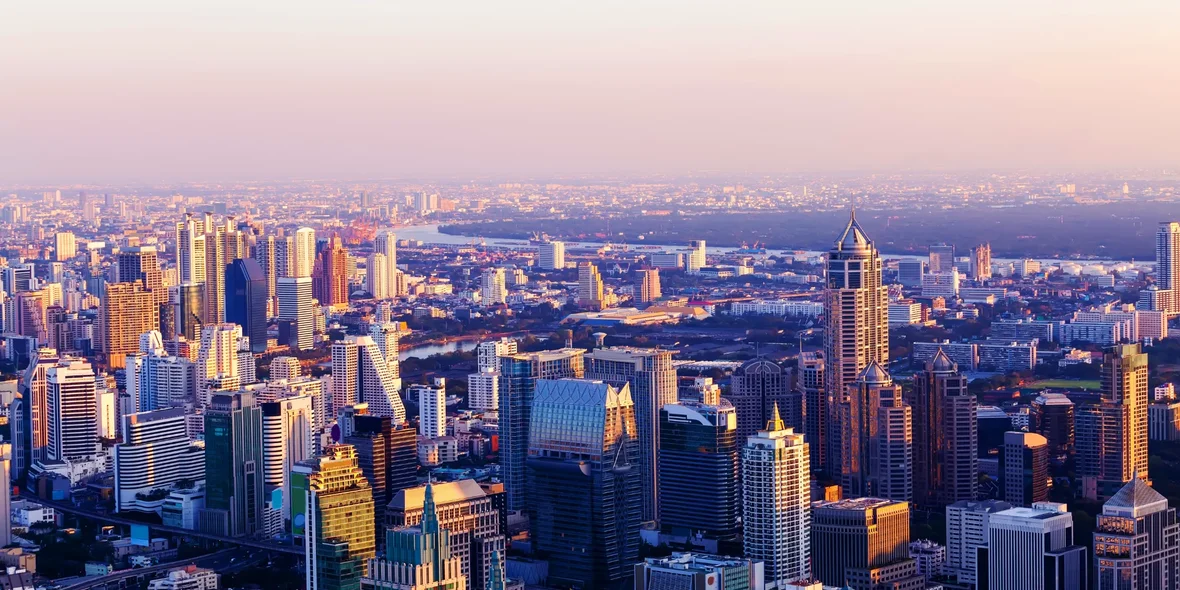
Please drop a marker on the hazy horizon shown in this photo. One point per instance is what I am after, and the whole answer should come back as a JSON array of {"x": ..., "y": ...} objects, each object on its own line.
[{"x": 134, "y": 91}]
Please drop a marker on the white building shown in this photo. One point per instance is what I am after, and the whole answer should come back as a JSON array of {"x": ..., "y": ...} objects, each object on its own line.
[
  {"x": 551, "y": 255},
  {"x": 217, "y": 360},
  {"x": 432, "y": 407},
  {"x": 905, "y": 313},
  {"x": 304, "y": 257},
  {"x": 696, "y": 259},
  {"x": 810, "y": 309},
  {"x": 295, "y": 297},
  {"x": 776, "y": 500},
  {"x": 1033, "y": 549},
  {"x": 385, "y": 244},
  {"x": 181, "y": 507},
  {"x": 376, "y": 279},
  {"x": 483, "y": 391},
  {"x": 967, "y": 531},
  {"x": 360, "y": 373},
  {"x": 189, "y": 578},
  {"x": 284, "y": 367},
  {"x": 155, "y": 454},
  {"x": 489, "y": 353},
  {"x": 941, "y": 284},
  {"x": 72, "y": 411},
  {"x": 385, "y": 334},
  {"x": 929, "y": 556},
  {"x": 493, "y": 289},
  {"x": 287, "y": 438},
  {"x": 1163, "y": 420}
]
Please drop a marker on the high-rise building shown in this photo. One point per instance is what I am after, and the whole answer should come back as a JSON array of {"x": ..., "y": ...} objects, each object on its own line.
[
  {"x": 468, "y": 512},
  {"x": 696, "y": 259},
  {"x": 34, "y": 389},
  {"x": 1052, "y": 416},
  {"x": 330, "y": 274},
  {"x": 981, "y": 262},
  {"x": 1137, "y": 540},
  {"x": 584, "y": 492},
  {"x": 652, "y": 378},
  {"x": 590, "y": 293},
  {"x": 376, "y": 276},
  {"x": 1112, "y": 434},
  {"x": 233, "y": 466},
  {"x": 690, "y": 571},
  {"x": 492, "y": 288},
  {"x": 551, "y": 255},
  {"x": 287, "y": 438},
  {"x": 432, "y": 408},
  {"x": 215, "y": 261},
  {"x": 266, "y": 256},
  {"x": 337, "y": 504},
  {"x": 1167, "y": 263},
  {"x": 218, "y": 367},
  {"x": 141, "y": 263},
  {"x": 942, "y": 258},
  {"x": 127, "y": 310},
  {"x": 649, "y": 286},
  {"x": 190, "y": 250},
  {"x": 386, "y": 244},
  {"x": 418, "y": 557},
  {"x": 65, "y": 247},
  {"x": 245, "y": 300},
  {"x": 304, "y": 252},
  {"x": 966, "y": 533},
  {"x": 757, "y": 388},
  {"x": 856, "y": 308},
  {"x": 360, "y": 373},
  {"x": 1024, "y": 468},
  {"x": 518, "y": 378},
  {"x": 1033, "y": 549},
  {"x": 6, "y": 493},
  {"x": 295, "y": 306},
  {"x": 72, "y": 410},
  {"x": 488, "y": 353},
  {"x": 892, "y": 451},
  {"x": 699, "y": 489},
  {"x": 188, "y": 308},
  {"x": 946, "y": 434},
  {"x": 860, "y": 438},
  {"x": 776, "y": 502},
  {"x": 863, "y": 543},
  {"x": 817, "y": 410},
  {"x": 156, "y": 453},
  {"x": 483, "y": 391},
  {"x": 156, "y": 380}
]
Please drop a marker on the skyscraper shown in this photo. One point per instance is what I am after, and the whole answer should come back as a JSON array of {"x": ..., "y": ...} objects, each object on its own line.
[
  {"x": 1052, "y": 416},
  {"x": 1137, "y": 540},
  {"x": 816, "y": 407},
  {"x": 330, "y": 274},
  {"x": 699, "y": 489},
  {"x": 245, "y": 300},
  {"x": 127, "y": 311},
  {"x": 156, "y": 453},
  {"x": 590, "y": 293},
  {"x": 981, "y": 262},
  {"x": 966, "y": 532},
  {"x": 6, "y": 494},
  {"x": 304, "y": 253},
  {"x": 653, "y": 385},
  {"x": 190, "y": 250},
  {"x": 386, "y": 244},
  {"x": 946, "y": 435},
  {"x": 337, "y": 504},
  {"x": 649, "y": 286},
  {"x": 551, "y": 255},
  {"x": 188, "y": 308},
  {"x": 361, "y": 374},
  {"x": 233, "y": 466},
  {"x": 584, "y": 492},
  {"x": 776, "y": 502},
  {"x": 863, "y": 543},
  {"x": 1167, "y": 263},
  {"x": 432, "y": 407},
  {"x": 265, "y": 253},
  {"x": 942, "y": 258},
  {"x": 287, "y": 438},
  {"x": 856, "y": 309},
  {"x": 492, "y": 288},
  {"x": 140, "y": 263},
  {"x": 518, "y": 378},
  {"x": 34, "y": 389},
  {"x": 295, "y": 306},
  {"x": 376, "y": 276},
  {"x": 72, "y": 411},
  {"x": 65, "y": 247},
  {"x": 695, "y": 260},
  {"x": 215, "y": 261},
  {"x": 1034, "y": 549},
  {"x": 892, "y": 452},
  {"x": 1024, "y": 468},
  {"x": 1112, "y": 434},
  {"x": 419, "y": 557},
  {"x": 757, "y": 388},
  {"x": 218, "y": 367},
  {"x": 858, "y": 417}
]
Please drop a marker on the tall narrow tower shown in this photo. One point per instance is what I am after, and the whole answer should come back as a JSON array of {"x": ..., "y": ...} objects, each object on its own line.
[{"x": 776, "y": 500}]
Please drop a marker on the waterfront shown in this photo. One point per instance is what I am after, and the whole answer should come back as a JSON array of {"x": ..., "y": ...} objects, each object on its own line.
[{"x": 435, "y": 348}]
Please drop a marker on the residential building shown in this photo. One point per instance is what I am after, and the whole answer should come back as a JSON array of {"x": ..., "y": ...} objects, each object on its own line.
[
  {"x": 981, "y": 262},
  {"x": 756, "y": 388},
  {"x": 776, "y": 502},
  {"x": 432, "y": 407},
  {"x": 127, "y": 310},
  {"x": 551, "y": 255},
  {"x": 590, "y": 291},
  {"x": 360, "y": 373},
  {"x": 1052, "y": 416},
  {"x": 1112, "y": 434},
  {"x": 649, "y": 286},
  {"x": 493, "y": 288},
  {"x": 946, "y": 435},
  {"x": 1163, "y": 421}
]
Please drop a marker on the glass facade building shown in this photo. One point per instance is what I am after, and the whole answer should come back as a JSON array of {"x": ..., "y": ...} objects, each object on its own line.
[{"x": 699, "y": 487}]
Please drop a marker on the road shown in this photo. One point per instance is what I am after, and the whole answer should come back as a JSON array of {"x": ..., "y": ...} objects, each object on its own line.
[{"x": 224, "y": 561}]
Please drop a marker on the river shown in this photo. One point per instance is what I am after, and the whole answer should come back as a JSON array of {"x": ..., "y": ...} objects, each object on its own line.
[{"x": 426, "y": 350}]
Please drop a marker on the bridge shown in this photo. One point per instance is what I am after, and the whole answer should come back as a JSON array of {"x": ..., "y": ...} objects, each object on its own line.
[
  {"x": 69, "y": 508},
  {"x": 223, "y": 562}
]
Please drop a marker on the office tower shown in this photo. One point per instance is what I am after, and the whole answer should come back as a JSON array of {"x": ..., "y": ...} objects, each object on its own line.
[
  {"x": 141, "y": 263},
  {"x": 695, "y": 260},
  {"x": 5, "y": 494},
  {"x": 856, "y": 308},
  {"x": 34, "y": 388},
  {"x": 217, "y": 364},
  {"x": 483, "y": 391},
  {"x": 910, "y": 272},
  {"x": 468, "y": 512},
  {"x": 492, "y": 288},
  {"x": 156, "y": 453},
  {"x": 757, "y": 388},
  {"x": 690, "y": 571},
  {"x": 1051, "y": 415},
  {"x": 1137, "y": 540},
  {"x": 966, "y": 532},
  {"x": 330, "y": 274},
  {"x": 551, "y": 255},
  {"x": 188, "y": 306},
  {"x": 488, "y": 353},
  {"x": 942, "y": 258},
  {"x": 265, "y": 253},
  {"x": 418, "y": 557},
  {"x": 295, "y": 306},
  {"x": 1167, "y": 262},
  {"x": 653, "y": 385},
  {"x": 337, "y": 504},
  {"x": 891, "y": 451},
  {"x": 1033, "y": 549},
  {"x": 65, "y": 247},
  {"x": 386, "y": 244},
  {"x": 815, "y": 404},
  {"x": 776, "y": 502},
  {"x": 190, "y": 251},
  {"x": 127, "y": 310},
  {"x": 590, "y": 293},
  {"x": 376, "y": 277},
  {"x": 1024, "y": 468},
  {"x": 981, "y": 262},
  {"x": 1112, "y": 433},
  {"x": 946, "y": 434},
  {"x": 649, "y": 286},
  {"x": 371, "y": 448},
  {"x": 233, "y": 466},
  {"x": 386, "y": 337},
  {"x": 401, "y": 450},
  {"x": 17, "y": 278},
  {"x": 519, "y": 373},
  {"x": 304, "y": 253},
  {"x": 245, "y": 300},
  {"x": 857, "y": 416},
  {"x": 699, "y": 489},
  {"x": 361, "y": 374},
  {"x": 863, "y": 543},
  {"x": 287, "y": 439},
  {"x": 585, "y": 505},
  {"x": 72, "y": 412}
]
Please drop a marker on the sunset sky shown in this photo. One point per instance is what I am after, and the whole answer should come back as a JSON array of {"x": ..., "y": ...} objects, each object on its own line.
[{"x": 122, "y": 91}]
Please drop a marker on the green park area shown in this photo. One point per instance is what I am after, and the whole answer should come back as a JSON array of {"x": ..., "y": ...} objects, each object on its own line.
[{"x": 1072, "y": 384}]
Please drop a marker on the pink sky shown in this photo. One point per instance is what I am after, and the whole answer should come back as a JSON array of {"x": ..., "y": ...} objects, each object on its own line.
[{"x": 133, "y": 91}]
